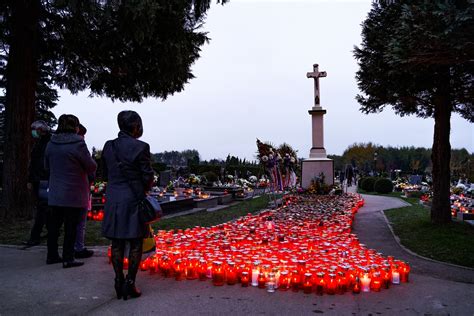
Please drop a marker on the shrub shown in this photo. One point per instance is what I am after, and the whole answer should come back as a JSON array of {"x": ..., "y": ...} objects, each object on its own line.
[
  {"x": 368, "y": 184},
  {"x": 210, "y": 176},
  {"x": 359, "y": 184},
  {"x": 383, "y": 185}
]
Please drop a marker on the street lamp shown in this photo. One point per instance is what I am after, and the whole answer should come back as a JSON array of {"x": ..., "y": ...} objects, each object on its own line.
[{"x": 375, "y": 164}]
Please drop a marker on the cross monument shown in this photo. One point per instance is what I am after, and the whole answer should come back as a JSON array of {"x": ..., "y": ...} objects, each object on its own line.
[
  {"x": 316, "y": 75},
  {"x": 318, "y": 162}
]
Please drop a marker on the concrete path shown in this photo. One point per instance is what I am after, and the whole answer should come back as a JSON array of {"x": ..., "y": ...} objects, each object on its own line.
[{"x": 29, "y": 287}]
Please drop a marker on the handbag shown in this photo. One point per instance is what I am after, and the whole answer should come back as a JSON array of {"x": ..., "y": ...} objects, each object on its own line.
[
  {"x": 43, "y": 191},
  {"x": 149, "y": 209}
]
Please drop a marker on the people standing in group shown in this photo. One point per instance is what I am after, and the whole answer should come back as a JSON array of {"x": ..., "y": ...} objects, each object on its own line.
[
  {"x": 80, "y": 251},
  {"x": 37, "y": 179},
  {"x": 127, "y": 168},
  {"x": 69, "y": 163}
]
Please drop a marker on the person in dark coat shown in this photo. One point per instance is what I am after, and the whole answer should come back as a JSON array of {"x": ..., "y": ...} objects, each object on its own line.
[
  {"x": 38, "y": 175},
  {"x": 127, "y": 184},
  {"x": 80, "y": 251},
  {"x": 69, "y": 163}
]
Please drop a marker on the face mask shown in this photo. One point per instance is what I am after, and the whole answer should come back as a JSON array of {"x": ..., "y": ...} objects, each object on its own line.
[{"x": 35, "y": 134}]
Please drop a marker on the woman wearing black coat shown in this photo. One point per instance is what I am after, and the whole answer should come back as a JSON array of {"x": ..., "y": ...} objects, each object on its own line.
[{"x": 127, "y": 184}]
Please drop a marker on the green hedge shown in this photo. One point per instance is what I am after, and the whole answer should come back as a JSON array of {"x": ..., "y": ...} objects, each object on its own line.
[
  {"x": 383, "y": 185},
  {"x": 367, "y": 184}
]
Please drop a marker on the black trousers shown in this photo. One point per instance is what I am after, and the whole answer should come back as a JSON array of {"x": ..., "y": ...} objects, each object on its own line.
[
  {"x": 70, "y": 216},
  {"x": 40, "y": 216},
  {"x": 134, "y": 257}
]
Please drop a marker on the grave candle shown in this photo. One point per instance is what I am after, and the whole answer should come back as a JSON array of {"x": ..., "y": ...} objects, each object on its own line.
[
  {"x": 331, "y": 284},
  {"x": 285, "y": 281},
  {"x": 255, "y": 272},
  {"x": 191, "y": 269},
  {"x": 231, "y": 273},
  {"x": 365, "y": 282},
  {"x": 376, "y": 282},
  {"x": 178, "y": 269},
  {"x": 217, "y": 273},
  {"x": 395, "y": 275},
  {"x": 307, "y": 283},
  {"x": 244, "y": 279},
  {"x": 271, "y": 282},
  {"x": 404, "y": 272},
  {"x": 261, "y": 280},
  {"x": 202, "y": 270},
  {"x": 320, "y": 283},
  {"x": 295, "y": 280},
  {"x": 356, "y": 287}
]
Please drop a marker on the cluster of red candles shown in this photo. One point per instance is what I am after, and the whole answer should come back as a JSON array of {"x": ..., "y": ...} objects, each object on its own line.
[
  {"x": 95, "y": 215},
  {"x": 306, "y": 245}
]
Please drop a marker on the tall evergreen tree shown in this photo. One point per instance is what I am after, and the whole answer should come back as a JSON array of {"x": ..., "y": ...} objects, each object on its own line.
[
  {"x": 125, "y": 50},
  {"x": 417, "y": 56}
]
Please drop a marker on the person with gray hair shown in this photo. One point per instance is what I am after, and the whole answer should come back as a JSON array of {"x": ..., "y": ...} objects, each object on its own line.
[{"x": 38, "y": 178}]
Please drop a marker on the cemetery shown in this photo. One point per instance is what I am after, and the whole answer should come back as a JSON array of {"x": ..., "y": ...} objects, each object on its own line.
[{"x": 291, "y": 222}]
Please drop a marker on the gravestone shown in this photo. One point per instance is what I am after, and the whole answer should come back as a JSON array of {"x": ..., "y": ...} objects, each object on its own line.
[
  {"x": 317, "y": 162},
  {"x": 165, "y": 178}
]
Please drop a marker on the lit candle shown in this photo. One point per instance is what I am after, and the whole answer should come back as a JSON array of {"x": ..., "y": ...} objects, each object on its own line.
[
  {"x": 395, "y": 275},
  {"x": 244, "y": 279},
  {"x": 217, "y": 273},
  {"x": 271, "y": 282},
  {"x": 365, "y": 282},
  {"x": 331, "y": 284},
  {"x": 307, "y": 283},
  {"x": 356, "y": 288},
  {"x": 285, "y": 281},
  {"x": 231, "y": 273},
  {"x": 255, "y": 272},
  {"x": 261, "y": 280}
]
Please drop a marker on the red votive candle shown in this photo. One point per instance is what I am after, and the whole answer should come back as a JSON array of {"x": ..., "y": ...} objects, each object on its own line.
[{"x": 244, "y": 279}]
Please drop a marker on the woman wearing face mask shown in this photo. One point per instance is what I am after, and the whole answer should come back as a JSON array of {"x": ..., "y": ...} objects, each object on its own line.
[
  {"x": 127, "y": 169},
  {"x": 37, "y": 177}
]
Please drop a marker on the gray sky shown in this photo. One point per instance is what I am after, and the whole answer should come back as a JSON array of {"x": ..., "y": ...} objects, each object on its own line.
[{"x": 251, "y": 82}]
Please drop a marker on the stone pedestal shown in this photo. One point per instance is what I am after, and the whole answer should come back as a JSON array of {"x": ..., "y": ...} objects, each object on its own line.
[
  {"x": 318, "y": 162},
  {"x": 312, "y": 167}
]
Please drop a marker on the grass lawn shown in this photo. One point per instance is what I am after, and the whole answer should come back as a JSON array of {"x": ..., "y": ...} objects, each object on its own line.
[
  {"x": 15, "y": 233},
  {"x": 452, "y": 243}
]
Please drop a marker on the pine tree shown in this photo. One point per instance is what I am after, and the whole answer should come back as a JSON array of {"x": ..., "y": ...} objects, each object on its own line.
[{"x": 417, "y": 57}]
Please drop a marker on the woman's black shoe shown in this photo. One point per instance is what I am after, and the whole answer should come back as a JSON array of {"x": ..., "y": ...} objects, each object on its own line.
[
  {"x": 119, "y": 287},
  {"x": 72, "y": 264},
  {"x": 129, "y": 289}
]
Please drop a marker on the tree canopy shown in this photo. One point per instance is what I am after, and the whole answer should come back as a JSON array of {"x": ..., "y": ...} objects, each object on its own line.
[
  {"x": 409, "y": 49},
  {"x": 417, "y": 56},
  {"x": 124, "y": 50}
]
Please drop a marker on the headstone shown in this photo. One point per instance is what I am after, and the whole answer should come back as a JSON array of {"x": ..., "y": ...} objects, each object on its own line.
[{"x": 165, "y": 178}]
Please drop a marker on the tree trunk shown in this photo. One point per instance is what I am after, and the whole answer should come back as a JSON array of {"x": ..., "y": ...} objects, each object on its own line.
[
  {"x": 22, "y": 69},
  {"x": 440, "y": 157}
]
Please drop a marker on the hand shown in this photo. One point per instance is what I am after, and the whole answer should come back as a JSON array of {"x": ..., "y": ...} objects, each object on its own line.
[{"x": 29, "y": 186}]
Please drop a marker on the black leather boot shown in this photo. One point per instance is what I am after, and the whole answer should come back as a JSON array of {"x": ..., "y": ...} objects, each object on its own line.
[
  {"x": 129, "y": 289},
  {"x": 119, "y": 287}
]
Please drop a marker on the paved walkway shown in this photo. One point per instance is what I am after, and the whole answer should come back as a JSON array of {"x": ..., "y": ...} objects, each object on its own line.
[{"x": 30, "y": 287}]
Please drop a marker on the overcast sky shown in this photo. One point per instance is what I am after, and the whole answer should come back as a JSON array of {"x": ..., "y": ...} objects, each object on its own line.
[{"x": 251, "y": 83}]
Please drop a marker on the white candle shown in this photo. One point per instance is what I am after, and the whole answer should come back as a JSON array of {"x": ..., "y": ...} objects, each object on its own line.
[
  {"x": 395, "y": 277},
  {"x": 365, "y": 283},
  {"x": 255, "y": 277}
]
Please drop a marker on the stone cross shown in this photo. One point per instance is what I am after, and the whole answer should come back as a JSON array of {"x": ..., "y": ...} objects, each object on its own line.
[{"x": 316, "y": 74}]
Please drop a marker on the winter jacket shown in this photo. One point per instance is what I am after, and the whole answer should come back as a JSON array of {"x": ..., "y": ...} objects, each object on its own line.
[
  {"x": 125, "y": 186},
  {"x": 69, "y": 163}
]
